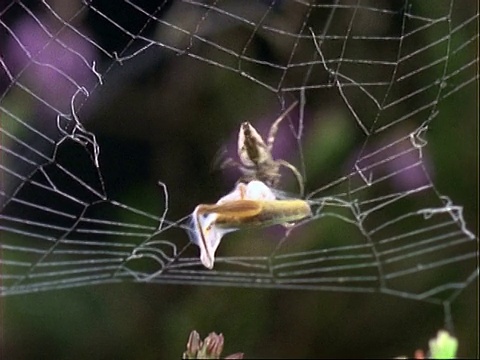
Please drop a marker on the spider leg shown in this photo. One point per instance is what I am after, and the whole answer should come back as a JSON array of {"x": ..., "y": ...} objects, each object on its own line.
[
  {"x": 229, "y": 162},
  {"x": 248, "y": 173},
  {"x": 295, "y": 172},
  {"x": 274, "y": 128}
]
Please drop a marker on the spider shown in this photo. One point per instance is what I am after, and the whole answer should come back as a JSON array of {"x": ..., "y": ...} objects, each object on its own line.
[{"x": 256, "y": 160}]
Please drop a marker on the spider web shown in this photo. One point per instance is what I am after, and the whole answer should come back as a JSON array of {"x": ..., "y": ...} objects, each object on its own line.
[{"x": 373, "y": 79}]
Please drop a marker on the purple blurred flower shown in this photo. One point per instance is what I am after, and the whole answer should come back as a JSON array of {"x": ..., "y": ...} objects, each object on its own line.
[
  {"x": 400, "y": 156},
  {"x": 52, "y": 60}
]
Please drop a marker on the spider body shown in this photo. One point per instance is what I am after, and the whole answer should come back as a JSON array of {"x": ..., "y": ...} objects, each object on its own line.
[
  {"x": 256, "y": 159},
  {"x": 255, "y": 155}
]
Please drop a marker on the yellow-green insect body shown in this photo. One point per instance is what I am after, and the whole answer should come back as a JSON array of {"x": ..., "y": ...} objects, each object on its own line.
[
  {"x": 247, "y": 206},
  {"x": 255, "y": 213}
]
